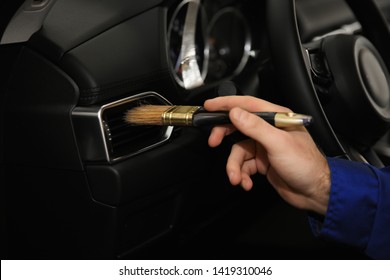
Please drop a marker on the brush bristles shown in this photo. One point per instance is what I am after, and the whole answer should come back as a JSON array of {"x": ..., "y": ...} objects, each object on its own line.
[{"x": 146, "y": 115}]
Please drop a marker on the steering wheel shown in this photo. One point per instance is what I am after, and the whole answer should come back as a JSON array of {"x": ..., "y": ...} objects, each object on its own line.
[{"x": 341, "y": 80}]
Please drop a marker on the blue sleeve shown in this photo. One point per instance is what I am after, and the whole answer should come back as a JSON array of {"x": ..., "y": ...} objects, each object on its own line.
[{"x": 359, "y": 208}]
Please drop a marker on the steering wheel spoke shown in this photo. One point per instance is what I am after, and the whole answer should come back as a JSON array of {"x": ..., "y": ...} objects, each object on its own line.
[
  {"x": 342, "y": 80},
  {"x": 318, "y": 67}
]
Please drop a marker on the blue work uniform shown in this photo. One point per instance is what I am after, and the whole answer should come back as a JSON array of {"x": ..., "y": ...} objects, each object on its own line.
[{"x": 358, "y": 213}]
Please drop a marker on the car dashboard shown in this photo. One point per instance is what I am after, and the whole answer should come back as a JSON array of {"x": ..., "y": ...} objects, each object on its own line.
[{"x": 81, "y": 183}]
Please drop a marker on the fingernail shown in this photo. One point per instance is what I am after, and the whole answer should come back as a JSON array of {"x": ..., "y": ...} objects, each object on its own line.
[{"x": 231, "y": 177}]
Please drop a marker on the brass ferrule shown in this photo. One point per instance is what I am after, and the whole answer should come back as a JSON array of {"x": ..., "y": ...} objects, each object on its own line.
[
  {"x": 291, "y": 119},
  {"x": 179, "y": 115}
]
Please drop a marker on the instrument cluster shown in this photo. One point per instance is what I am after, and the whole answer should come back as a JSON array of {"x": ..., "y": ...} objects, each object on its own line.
[{"x": 207, "y": 41}]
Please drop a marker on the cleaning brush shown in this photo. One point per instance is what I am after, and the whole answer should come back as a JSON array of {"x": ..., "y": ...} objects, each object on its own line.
[{"x": 197, "y": 116}]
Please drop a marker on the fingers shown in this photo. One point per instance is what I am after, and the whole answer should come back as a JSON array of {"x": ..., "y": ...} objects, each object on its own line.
[
  {"x": 238, "y": 155},
  {"x": 249, "y": 103},
  {"x": 241, "y": 176},
  {"x": 254, "y": 127},
  {"x": 241, "y": 164},
  {"x": 218, "y": 133}
]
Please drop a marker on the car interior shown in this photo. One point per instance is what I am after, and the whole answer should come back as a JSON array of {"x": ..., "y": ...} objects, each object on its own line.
[{"x": 77, "y": 182}]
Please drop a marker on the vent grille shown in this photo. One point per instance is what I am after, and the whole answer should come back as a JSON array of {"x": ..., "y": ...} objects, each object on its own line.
[
  {"x": 123, "y": 140},
  {"x": 102, "y": 133}
]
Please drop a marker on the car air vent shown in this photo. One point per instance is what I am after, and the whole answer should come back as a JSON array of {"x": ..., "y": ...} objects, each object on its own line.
[{"x": 102, "y": 132}]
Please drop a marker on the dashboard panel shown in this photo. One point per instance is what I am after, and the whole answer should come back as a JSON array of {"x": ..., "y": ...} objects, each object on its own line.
[
  {"x": 207, "y": 42},
  {"x": 150, "y": 46}
]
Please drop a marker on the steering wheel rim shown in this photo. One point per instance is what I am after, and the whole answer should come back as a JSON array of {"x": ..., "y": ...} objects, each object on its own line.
[{"x": 293, "y": 67}]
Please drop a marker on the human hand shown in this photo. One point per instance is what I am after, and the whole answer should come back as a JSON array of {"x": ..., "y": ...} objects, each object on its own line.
[{"x": 289, "y": 158}]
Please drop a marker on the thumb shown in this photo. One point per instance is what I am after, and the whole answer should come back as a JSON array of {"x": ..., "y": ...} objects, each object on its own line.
[{"x": 256, "y": 128}]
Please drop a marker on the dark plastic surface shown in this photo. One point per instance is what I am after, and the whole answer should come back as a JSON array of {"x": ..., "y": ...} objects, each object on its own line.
[
  {"x": 37, "y": 119},
  {"x": 108, "y": 54},
  {"x": 70, "y": 23},
  {"x": 130, "y": 57},
  {"x": 52, "y": 216},
  {"x": 129, "y": 180},
  {"x": 8, "y": 9}
]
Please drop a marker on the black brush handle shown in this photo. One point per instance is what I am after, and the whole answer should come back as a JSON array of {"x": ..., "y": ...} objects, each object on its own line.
[{"x": 205, "y": 118}]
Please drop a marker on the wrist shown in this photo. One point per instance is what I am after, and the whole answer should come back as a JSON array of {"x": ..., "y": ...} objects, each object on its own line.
[{"x": 320, "y": 198}]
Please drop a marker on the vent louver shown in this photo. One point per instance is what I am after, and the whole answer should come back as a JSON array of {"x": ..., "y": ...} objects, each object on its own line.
[{"x": 119, "y": 139}]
